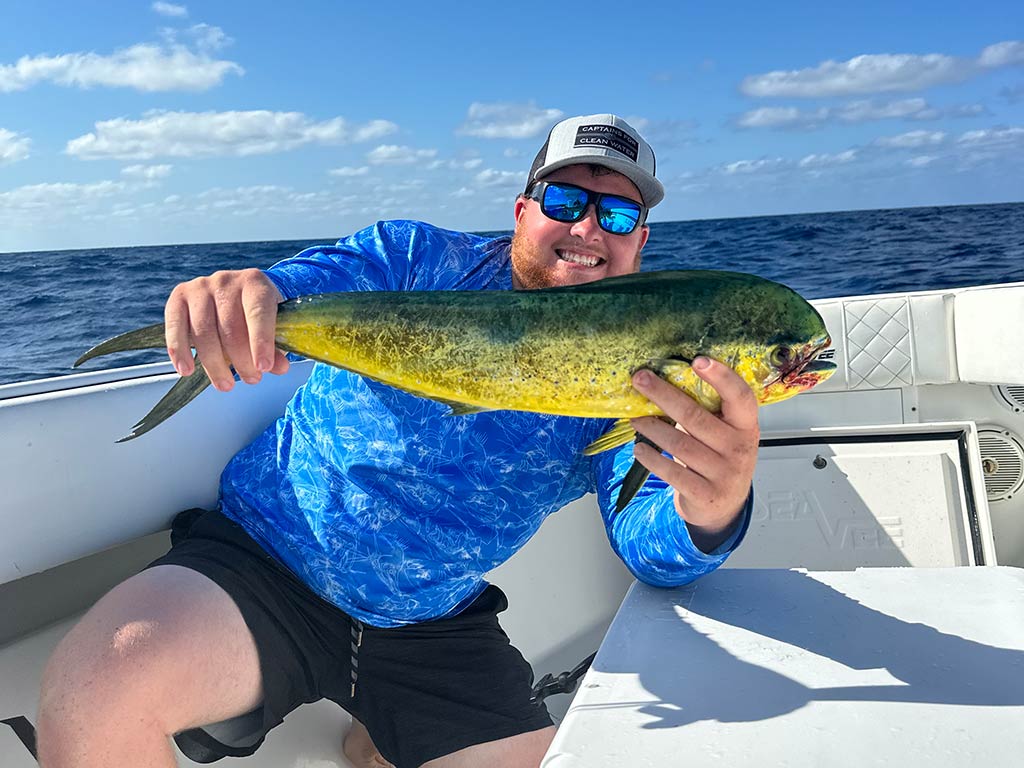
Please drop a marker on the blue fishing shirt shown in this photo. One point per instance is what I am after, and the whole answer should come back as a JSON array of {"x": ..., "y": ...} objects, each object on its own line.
[{"x": 394, "y": 511}]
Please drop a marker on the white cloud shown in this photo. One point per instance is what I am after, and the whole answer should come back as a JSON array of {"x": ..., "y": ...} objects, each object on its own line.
[
  {"x": 375, "y": 129},
  {"x": 921, "y": 161},
  {"x": 146, "y": 172},
  {"x": 56, "y": 199},
  {"x": 393, "y": 154},
  {"x": 826, "y": 160},
  {"x": 349, "y": 171},
  {"x": 880, "y": 73},
  {"x": 1003, "y": 54},
  {"x": 494, "y": 178},
  {"x": 144, "y": 67},
  {"x": 995, "y": 138},
  {"x": 198, "y": 134},
  {"x": 13, "y": 147},
  {"x": 860, "y": 111},
  {"x": 463, "y": 192},
  {"x": 753, "y": 166},
  {"x": 912, "y": 140},
  {"x": 170, "y": 9},
  {"x": 505, "y": 120},
  {"x": 782, "y": 117}
]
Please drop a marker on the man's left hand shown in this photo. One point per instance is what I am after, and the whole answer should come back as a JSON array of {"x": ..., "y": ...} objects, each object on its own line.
[{"x": 714, "y": 453}]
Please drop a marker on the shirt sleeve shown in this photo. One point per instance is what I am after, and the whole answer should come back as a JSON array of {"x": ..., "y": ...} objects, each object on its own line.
[
  {"x": 648, "y": 535},
  {"x": 378, "y": 258}
]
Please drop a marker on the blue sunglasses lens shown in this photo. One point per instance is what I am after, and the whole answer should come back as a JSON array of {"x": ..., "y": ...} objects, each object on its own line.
[
  {"x": 565, "y": 203},
  {"x": 618, "y": 216},
  {"x": 568, "y": 203}
]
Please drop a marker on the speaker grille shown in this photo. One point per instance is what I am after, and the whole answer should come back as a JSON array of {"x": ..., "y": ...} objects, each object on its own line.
[
  {"x": 1011, "y": 396},
  {"x": 1002, "y": 460}
]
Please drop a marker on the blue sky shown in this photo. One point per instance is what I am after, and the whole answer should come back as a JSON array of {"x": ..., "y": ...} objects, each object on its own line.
[{"x": 147, "y": 123}]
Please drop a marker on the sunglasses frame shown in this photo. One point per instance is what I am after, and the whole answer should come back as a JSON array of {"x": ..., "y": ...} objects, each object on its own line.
[{"x": 538, "y": 190}]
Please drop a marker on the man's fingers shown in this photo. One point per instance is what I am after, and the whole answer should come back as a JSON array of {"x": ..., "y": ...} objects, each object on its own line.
[
  {"x": 280, "y": 362},
  {"x": 739, "y": 405},
  {"x": 232, "y": 328},
  {"x": 206, "y": 339},
  {"x": 682, "y": 446},
  {"x": 176, "y": 333},
  {"x": 259, "y": 303},
  {"x": 680, "y": 407},
  {"x": 684, "y": 480}
]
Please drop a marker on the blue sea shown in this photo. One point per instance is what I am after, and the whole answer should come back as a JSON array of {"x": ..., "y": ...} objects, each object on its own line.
[{"x": 55, "y": 305}]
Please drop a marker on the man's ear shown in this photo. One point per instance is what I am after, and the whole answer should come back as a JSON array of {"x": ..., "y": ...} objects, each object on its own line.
[
  {"x": 520, "y": 208},
  {"x": 645, "y": 232}
]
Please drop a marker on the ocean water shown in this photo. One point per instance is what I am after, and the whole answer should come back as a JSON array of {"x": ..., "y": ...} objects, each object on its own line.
[{"x": 55, "y": 305}]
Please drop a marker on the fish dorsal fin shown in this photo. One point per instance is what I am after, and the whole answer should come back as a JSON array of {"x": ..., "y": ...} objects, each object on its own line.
[{"x": 620, "y": 434}]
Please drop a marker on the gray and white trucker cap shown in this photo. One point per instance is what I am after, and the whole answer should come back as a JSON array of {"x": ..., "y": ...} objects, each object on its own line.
[{"x": 606, "y": 140}]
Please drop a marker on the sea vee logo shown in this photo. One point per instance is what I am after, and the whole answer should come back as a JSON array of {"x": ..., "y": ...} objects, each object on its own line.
[
  {"x": 828, "y": 354},
  {"x": 607, "y": 136}
]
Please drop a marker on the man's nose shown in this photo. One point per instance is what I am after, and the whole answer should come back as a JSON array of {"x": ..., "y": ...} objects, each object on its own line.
[{"x": 587, "y": 226}]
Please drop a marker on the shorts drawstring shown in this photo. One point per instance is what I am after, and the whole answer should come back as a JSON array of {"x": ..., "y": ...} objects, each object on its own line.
[{"x": 357, "y": 640}]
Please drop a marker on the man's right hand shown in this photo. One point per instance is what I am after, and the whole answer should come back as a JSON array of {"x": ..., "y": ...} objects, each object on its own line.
[{"x": 229, "y": 318}]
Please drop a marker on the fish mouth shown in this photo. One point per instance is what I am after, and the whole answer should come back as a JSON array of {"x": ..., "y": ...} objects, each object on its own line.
[
  {"x": 806, "y": 368},
  {"x": 579, "y": 258}
]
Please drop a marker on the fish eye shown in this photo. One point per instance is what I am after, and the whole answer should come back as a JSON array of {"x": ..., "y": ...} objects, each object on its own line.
[{"x": 781, "y": 356}]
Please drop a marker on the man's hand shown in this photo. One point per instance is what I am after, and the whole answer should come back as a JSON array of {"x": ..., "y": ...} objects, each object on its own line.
[
  {"x": 714, "y": 456},
  {"x": 229, "y": 318}
]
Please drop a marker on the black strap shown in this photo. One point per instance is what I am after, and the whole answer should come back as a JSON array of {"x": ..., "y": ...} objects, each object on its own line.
[
  {"x": 25, "y": 731},
  {"x": 565, "y": 682}
]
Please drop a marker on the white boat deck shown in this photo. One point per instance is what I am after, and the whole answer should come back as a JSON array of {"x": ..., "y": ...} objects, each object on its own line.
[{"x": 753, "y": 668}]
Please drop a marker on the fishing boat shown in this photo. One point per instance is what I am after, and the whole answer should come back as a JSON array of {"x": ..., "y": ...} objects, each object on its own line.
[{"x": 887, "y": 537}]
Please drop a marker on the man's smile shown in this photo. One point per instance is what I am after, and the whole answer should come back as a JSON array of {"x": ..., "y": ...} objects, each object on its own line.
[{"x": 574, "y": 256}]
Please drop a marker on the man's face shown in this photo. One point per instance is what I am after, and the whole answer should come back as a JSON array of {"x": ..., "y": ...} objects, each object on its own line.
[{"x": 548, "y": 253}]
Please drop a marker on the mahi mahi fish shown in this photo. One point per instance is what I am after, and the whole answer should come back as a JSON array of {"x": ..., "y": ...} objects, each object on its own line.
[{"x": 568, "y": 351}]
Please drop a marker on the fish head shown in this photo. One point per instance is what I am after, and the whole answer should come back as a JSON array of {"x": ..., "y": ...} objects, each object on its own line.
[{"x": 810, "y": 375}]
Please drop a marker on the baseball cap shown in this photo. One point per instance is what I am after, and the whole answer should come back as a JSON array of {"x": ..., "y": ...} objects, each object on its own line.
[{"x": 606, "y": 140}]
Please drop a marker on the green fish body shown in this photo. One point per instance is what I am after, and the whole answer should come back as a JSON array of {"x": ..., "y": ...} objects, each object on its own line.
[{"x": 568, "y": 351}]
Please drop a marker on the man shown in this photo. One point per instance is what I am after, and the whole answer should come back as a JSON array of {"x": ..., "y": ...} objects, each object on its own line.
[{"x": 347, "y": 555}]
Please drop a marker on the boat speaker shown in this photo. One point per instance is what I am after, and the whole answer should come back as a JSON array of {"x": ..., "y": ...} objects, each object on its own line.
[
  {"x": 1012, "y": 396},
  {"x": 1002, "y": 462}
]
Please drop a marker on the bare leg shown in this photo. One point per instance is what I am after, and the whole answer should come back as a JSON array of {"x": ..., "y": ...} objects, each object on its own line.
[
  {"x": 164, "y": 651},
  {"x": 523, "y": 751},
  {"x": 360, "y": 750}
]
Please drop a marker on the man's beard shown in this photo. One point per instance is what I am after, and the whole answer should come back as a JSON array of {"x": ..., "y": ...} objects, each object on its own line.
[{"x": 528, "y": 265}]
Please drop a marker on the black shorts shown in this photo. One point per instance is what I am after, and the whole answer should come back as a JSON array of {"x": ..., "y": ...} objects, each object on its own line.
[{"x": 423, "y": 690}]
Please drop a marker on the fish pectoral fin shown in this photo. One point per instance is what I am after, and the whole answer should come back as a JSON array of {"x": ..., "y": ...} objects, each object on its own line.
[
  {"x": 635, "y": 477},
  {"x": 184, "y": 391},
  {"x": 460, "y": 409},
  {"x": 620, "y": 434}
]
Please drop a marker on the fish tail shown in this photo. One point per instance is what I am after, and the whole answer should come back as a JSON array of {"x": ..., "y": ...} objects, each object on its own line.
[
  {"x": 184, "y": 391},
  {"x": 150, "y": 337}
]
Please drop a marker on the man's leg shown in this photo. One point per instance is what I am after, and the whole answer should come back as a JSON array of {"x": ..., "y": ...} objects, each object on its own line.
[
  {"x": 164, "y": 651},
  {"x": 359, "y": 748},
  {"x": 523, "y": 751}
]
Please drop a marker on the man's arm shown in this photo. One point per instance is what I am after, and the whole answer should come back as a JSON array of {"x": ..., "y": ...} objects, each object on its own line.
[{"x": 695, "y": 509}]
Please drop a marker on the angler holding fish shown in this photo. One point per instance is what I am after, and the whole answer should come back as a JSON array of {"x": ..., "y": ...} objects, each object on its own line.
[{"x": 472, "y": 387}]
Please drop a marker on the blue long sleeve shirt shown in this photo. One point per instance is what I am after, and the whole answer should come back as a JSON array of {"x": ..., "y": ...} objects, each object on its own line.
[{"x": 394, "y": 511}]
